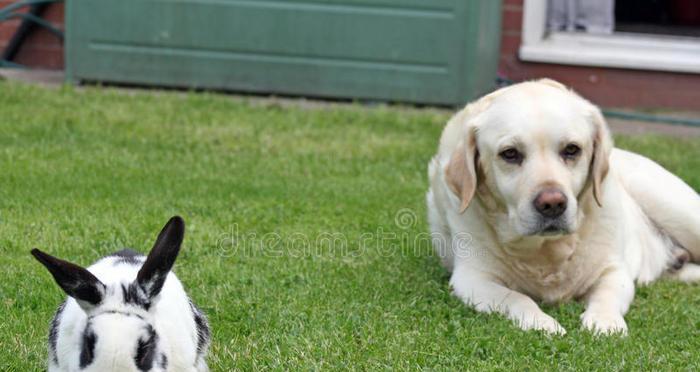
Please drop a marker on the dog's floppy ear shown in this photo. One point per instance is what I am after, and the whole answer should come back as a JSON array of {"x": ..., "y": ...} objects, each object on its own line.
[
  {"x": 460, "y": 173},
  {"x": 602, "y": 147}
]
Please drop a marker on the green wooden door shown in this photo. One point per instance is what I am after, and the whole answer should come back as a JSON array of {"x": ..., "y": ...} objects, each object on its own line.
[{"x": 424, "y": 51}]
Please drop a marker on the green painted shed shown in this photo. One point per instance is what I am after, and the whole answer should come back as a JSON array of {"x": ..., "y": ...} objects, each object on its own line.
[{"x": 419, "y": 51}]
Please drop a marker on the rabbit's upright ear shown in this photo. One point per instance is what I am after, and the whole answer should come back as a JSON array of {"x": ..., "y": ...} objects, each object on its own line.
[
  {"x": 76, "y": 281},
  {"x": 161, "y": 258}
]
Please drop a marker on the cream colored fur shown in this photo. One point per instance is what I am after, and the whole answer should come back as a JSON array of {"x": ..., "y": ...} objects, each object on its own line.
[{"x": 625, "y": 215}]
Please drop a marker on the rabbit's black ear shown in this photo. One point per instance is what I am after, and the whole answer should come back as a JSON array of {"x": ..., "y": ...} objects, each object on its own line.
[
  {"x": 162, "y": 257},
  {"x": 76, "y": 281}
]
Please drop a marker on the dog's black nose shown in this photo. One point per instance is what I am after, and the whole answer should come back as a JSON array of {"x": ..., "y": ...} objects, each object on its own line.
[{"x": 551, "y": 203}]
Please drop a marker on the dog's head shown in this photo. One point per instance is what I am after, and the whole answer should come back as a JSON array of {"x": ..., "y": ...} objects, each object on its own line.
[{"x": 531, "y": 152}]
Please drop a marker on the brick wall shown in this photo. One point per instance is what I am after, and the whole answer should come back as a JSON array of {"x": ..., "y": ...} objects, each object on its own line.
[
  {"x": 604, "y": 86},
  {"x": 41, "y": 48}
]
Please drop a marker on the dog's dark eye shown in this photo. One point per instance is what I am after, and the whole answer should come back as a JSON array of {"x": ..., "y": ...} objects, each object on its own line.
[
  {"x": 511, "y": 155},
  {"x": 571, "y": 151}
]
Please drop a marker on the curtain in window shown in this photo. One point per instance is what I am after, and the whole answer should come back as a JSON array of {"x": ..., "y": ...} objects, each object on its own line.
[{"x": 593, "y": 16}]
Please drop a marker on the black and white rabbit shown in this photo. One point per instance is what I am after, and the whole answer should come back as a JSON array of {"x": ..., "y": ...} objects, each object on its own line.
[{"x": 127, "y": 312}]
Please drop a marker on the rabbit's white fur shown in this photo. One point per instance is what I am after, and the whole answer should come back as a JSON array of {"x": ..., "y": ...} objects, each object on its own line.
[
  {"x": 172, "y": 319},
  {"x": 127, "y": 312}
]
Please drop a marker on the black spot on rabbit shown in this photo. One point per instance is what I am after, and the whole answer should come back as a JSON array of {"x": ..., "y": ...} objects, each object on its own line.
[
  {"x": 87, "y": 352},
  {"x": 202, "y": 328},
  {"x": 134, "y": 295},
  {"x": 53, "y": 331},
  {"x": 127, "y": 256},
  {"x": 146, "y": 350}
]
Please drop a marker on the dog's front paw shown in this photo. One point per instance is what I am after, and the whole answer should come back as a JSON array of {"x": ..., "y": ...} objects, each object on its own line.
[
  {"x": 604, "y": 323},
  {"x": 541, "y": 322}
]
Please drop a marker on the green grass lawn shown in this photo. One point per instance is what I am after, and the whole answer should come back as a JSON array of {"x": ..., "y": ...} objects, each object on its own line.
[{"x": 263, "y": 189}]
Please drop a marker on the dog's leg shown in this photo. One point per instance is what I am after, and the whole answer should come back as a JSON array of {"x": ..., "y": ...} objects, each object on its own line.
[
  {"x": 607, "y": 303},
  {"x": 485, "y": 295}
]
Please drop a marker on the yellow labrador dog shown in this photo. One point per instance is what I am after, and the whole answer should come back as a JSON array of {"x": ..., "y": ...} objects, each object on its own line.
[{"x": 529, "y": 201}]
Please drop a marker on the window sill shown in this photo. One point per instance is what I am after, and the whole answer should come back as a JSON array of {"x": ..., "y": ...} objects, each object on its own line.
[{"x": 633, "y": 51}]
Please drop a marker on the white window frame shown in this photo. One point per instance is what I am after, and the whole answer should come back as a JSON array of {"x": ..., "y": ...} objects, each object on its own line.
[{"x": 620, "y": 50}]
